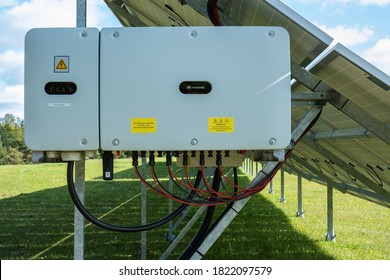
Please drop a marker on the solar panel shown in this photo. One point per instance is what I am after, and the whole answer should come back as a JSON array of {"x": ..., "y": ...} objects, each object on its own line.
[
  {"x": 340, "y": 134},
  {"x": 307, "y": 40}
]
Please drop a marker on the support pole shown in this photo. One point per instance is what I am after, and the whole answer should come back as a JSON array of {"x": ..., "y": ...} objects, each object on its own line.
[
  {"x": 271, "y": 188},
  {"x": 330, "y": 236},
  {"x": 170, "y": 236},
  {"x": 300, "y": 209},
  {"x": 143, "y": 211},
  {"x": 81, "y": 18},
  {"x": 282, "y": 195},
  {"x": 78, "y": 247},
  {"x": 78, "y": 217},
  {"x": 251, "y": 162}
]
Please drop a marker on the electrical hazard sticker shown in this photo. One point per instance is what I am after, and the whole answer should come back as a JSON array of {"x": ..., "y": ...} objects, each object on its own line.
[
  {"x": 61, "y": 64},
  {"x": 221, "y": 125},
  {"x": 143, "y": 125}
]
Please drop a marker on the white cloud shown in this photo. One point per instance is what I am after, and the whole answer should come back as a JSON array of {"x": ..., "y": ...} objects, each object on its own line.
[
  {"x": 375, "y": 2},
  {"x": 11, "y": 100},
  {"x": 49, "y": 13},
  {"x": 41, "y": 13},
  {"x": 6, "y": 3},
  {"x": 11, "y": 66},
  {"x": 326, "y": 3},
  {"x": 349, "y": 36},
  {"x": 16, "y": 18},
  {"x": 12, "y": 94},
  {"x": 379, "y": 55}
]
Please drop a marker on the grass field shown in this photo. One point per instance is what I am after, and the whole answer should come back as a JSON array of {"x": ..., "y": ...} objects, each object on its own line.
[{"x": 36, "y": 220}]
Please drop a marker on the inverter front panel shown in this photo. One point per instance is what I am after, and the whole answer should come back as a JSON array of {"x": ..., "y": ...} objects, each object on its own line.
[
  {"x": 195, "y": 88},
  {"x": 61, "y": 89}
]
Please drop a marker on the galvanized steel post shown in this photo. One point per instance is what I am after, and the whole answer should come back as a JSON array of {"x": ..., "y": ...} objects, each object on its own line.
[
  {"x": 282, "y": 195},
  {"x": 300, "y": 212},
  {"x": 330, "y": 236},
  {"x": 78, "y": 247},
  {"x": 143, "y": 211},
  {"x": 81, "y": 17},
  {"x": 271, "y": 188}
]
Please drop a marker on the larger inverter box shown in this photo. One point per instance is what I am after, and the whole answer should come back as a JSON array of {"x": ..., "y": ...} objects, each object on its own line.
[
  {"x": 195, "y": 88},
  {"x": 61, "y": 89}
]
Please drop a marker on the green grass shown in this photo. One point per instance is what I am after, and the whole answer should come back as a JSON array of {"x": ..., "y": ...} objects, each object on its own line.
[{"x": 37, "y": 220}]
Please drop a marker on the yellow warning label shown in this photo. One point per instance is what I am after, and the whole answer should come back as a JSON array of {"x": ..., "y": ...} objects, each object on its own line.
[
  {"x": 61, "y": 65},
  {"x": 143, "y": 125},
  {"x": 221, "y": 124}
]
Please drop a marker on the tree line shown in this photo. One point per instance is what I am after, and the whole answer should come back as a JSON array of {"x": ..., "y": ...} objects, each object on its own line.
[{"x": 13, "y": 150}]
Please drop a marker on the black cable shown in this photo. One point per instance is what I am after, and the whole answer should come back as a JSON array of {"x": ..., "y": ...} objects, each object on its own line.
[
  {"x": 203, "y": 201},
  {"x": 195, "y": 243},
  {"x": 188, "y": 200},
  {"x": 235, "y": 179},
  {"x": 212, "y": 11},
  {"x": 228, "y": 207},
  {"x": 160, "y": 189},
  {"x": 96, "y": 221}
]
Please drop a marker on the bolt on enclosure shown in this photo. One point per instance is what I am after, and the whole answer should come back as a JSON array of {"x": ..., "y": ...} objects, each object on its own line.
[
  {"x": 61, "y": 89},
  {"x": 195, "y": 88}
]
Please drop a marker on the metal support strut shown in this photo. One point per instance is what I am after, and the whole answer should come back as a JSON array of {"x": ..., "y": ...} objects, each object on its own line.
[
  {"x": 78, "y": 217},
  {"x": 282, "y": 195},
  {"x": 143, "y": 212},
  {"x": 330, "y": 236},
  {"x": 271, "y": 188},
  {"x": 300, "y": 212},
  {"x": 78, "y": 246}
]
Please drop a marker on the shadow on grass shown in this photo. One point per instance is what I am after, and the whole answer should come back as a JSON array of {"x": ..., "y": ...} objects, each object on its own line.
[
  {"x": 40, "y": 225},
  {"x": 264, "y": 232}
]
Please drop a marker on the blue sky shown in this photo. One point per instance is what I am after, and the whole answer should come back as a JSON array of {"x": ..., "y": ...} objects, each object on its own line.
[{"x": 361, "y": 25}]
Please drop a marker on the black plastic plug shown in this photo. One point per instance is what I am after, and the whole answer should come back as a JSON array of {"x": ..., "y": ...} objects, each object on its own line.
[
  {"x": 108, "y": 165},
  {"x": 135, "y": 158},
  {"x": 151, "y": 159}
]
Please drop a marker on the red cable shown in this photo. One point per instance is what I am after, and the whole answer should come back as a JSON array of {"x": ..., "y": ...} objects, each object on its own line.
[
  {"x": 182, "y": 200},
  {"x": 144, "y": 182},
  {"x": 216, "y": 16},
  {"x": 190, "y": 186}
]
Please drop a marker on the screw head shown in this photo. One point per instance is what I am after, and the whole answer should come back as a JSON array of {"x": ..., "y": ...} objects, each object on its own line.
[
  {"x": 193, "y": 34},
  {"x": 115, "y": 34},
  {"x": 194, "y": 142},
  {"x": 84, "y": 34},
  {"x": 115, "y": 142},
  {"x": 271, "y": 33},
  {"x": 272, "y": 141},
  {"x": 83, "y": 142}
]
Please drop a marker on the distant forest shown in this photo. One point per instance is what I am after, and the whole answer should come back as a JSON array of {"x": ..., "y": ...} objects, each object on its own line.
[{"x": 13, "y": 150}]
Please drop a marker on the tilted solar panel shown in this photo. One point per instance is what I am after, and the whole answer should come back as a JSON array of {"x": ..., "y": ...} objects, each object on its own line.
[
  {"x": 307, "y": 40},
  {"x": 358, "y": 143}
]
